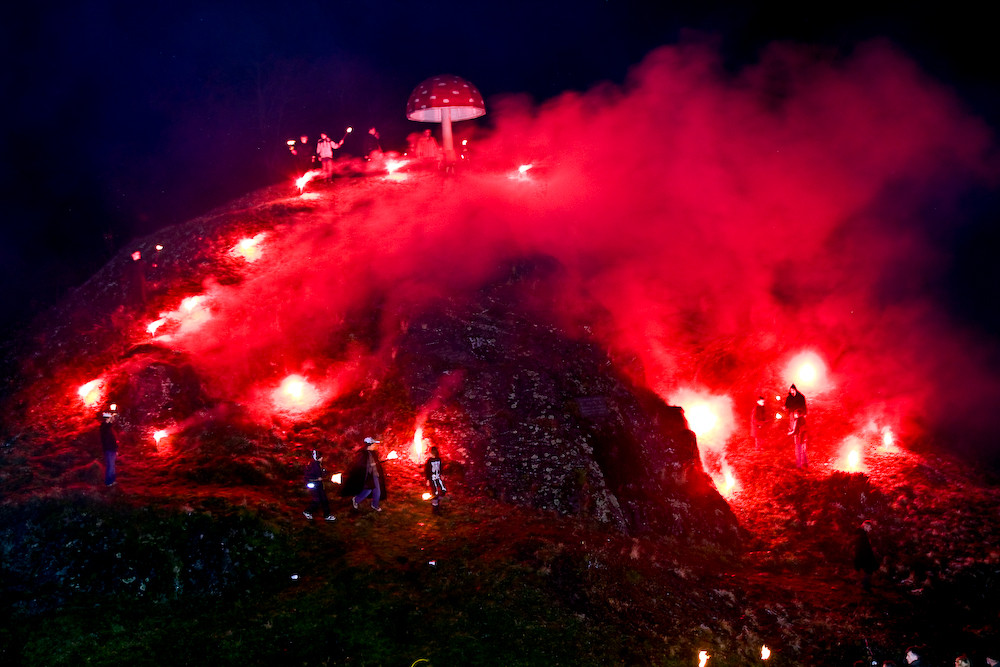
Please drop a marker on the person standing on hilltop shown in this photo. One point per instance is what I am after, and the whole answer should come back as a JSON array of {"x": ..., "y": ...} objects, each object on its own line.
[{"x": 324, "y": 150}]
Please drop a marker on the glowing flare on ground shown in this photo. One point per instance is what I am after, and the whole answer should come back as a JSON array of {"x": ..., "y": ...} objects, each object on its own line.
[
  {"x": 189, "y": 304},
  {"x": 777, "y": 415},
  {"x": 703, "y": 657},
  {"x": 853, "y": 460},
  {"x": 726, "y": 485},
  {"x": 765, "y": 652},
  {"x": 888, "y": 439},
  {"x": 418, "y": 444},
  {"x": 90, "y": 393},
  {"x": 393, "y": 166},
  {"x": 296, "y": 394},
  {"x": 391, "y": 455},
  {"x": 249, "y": 249},
  {"x": 337, "y": 478},
  {"x": 159, "y": 435},
  {"x": 522, "y": 172},
  {"x": 153, "y": 326},
  {"x": 701, "y": 418},
  {"x": 709, "y": 415},
  {"x": 159, "y": 247},
  {"x": 304, "y": 179},
  {"x": 807, "y": 372},
  {"x": 427, "y": 496}
]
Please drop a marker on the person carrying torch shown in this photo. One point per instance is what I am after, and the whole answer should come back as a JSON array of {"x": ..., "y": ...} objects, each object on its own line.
[
  {"x": 432, "y": 472},
  {"x": 324, "y": 150},
  {"x": 314, "y": 483}
]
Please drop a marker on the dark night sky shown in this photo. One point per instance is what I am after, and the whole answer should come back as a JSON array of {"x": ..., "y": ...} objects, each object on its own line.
[{"x": 126, "y": 117}]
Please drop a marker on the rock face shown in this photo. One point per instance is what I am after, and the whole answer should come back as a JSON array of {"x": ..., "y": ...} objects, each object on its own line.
[{"x": 540, "y": 419}]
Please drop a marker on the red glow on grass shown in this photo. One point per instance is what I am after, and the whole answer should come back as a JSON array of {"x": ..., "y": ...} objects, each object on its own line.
[{"x": 726, "y": 483}]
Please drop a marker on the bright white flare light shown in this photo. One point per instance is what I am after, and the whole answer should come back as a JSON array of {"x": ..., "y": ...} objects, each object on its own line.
[
  {"x": 248, "y": 249},
  {"x": 337, "y": 478},
  {"x": 90, "y": 393},
  {"x": 159, "y": 435},
  {"x": 296, "y": 394},
  {"x": 765, "y": 652},
  {"x": 807, "y": 372},
  {"x": 709, "y": 415},
  {"x": 703, "y": 657}
]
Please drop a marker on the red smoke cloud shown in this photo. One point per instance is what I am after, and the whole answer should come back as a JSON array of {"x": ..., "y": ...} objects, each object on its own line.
[{"x": 710, "y": 225}]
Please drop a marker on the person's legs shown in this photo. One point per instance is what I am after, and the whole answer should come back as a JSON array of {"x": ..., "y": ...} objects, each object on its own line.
[
  {"x": 109, "y": 467},
  {"x": 376, "y": 493}
]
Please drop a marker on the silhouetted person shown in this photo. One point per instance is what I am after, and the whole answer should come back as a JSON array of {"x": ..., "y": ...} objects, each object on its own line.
[
  {"x": 963, "y": 661},
  {"x": 865, "y": 560},
  {"x": 373, "y": 145},
  {"x": 109, "y": 444},
  {"x": 433, "y": 471},
  {"x": 914, "y": 656},
  {"x": 303, "y": 155},
  {"x": 795, "y": 401},
  {"x": 367, "y": 478},
  {"x": 427, "y": 148},
  {"x": 758, "y": 422},
  {"x": 314, "y": 482}
]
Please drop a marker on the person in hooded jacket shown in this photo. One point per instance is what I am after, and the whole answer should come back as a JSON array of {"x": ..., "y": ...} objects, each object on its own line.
[
  {"x": 314, "y": 482},
  {"x": 795, "y": 401},
  {"x": 367, "y": 477}
]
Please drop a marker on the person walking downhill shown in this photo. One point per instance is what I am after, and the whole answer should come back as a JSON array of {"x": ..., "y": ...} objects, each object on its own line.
[{"x": 367, "y": 477}]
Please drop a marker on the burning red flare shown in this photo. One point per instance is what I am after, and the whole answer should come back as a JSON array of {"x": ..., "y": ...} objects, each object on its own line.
[
  {"x": 159, "y": 435},
  {"x": 807, "y": 372},
  {"x": 249, "y": 249},
  {"x": 296, "y": 394},
  {"x": 703, "y": 657},
  {"x": 90, "y": 393},
  {"x": 765, "y": 652},
  {"x": 304, "y": 179},
  {"x": 427, "y": 496}
]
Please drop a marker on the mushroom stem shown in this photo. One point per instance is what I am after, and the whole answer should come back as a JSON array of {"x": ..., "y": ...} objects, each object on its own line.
[{"x": 446, "y": 138}]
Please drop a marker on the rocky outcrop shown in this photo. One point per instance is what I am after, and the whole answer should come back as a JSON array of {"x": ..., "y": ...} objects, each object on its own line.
[{"x": 538, "y": 418}]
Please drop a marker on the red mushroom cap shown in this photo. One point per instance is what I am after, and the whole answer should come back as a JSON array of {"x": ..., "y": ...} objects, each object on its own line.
[{"x": 445, "y": 91}]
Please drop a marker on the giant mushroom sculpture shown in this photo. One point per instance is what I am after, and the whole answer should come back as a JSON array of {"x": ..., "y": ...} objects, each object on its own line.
[{"x": 443, "y": 99}]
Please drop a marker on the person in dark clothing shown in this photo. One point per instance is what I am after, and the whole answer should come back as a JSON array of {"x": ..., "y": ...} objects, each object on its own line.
[
  {"x": 914, "y": 656},
  {"x": 367, "y": 478},
  {"x": 314, "y": 482},
  {"x": 865, "y": 560},
  {"x": 433, "y": 470},
  {"x": 758, "y": 422},
  {"x": 795, "y": 401},
  {"x": 303, "y": 155},
  {"x": 109, "y": 444},
  {"x": 797, "y": 429}
]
